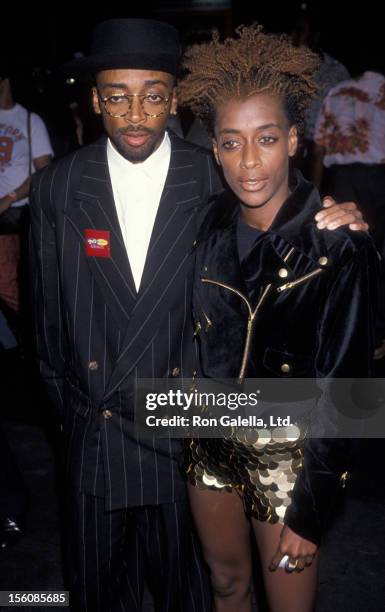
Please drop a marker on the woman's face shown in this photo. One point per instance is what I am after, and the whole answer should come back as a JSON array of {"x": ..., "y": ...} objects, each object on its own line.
[{"x": 253, "y": 143}]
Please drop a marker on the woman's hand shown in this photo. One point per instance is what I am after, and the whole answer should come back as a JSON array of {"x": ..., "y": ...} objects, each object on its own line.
[
  {"x": 300, "y": 551},
  {"x": 334, "y": 215}
]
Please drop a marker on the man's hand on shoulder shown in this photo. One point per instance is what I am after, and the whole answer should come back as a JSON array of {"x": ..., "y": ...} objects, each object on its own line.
[{"x": 335, "y": 215}]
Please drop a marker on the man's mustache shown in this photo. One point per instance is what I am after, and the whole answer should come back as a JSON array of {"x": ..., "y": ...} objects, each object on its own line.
[{"x": 132, "y": 130}]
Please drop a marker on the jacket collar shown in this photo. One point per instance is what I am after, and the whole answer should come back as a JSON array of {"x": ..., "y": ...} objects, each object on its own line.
[{"x": 298, "y": 211}]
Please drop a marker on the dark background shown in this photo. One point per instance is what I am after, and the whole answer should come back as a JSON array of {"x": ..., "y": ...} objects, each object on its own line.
[
  {"x": 353, "y": 32},
  {"x": 36, "y": 43}
]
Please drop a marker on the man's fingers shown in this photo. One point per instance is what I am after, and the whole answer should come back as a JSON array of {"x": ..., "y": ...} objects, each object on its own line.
[
  {"x": 328, "y": 201},
  {"x": 329, "y": 215},
  {"x": 359, "y": 227},
  {"x": 332, "y": 208},
  {"x": 324, "y": 213},
  {"x": 335, "y": 220},
  {"x": 337, "y": 211},
  {"x": 321, "y": 214}
]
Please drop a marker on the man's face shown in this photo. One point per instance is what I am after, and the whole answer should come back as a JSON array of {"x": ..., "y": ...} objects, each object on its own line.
[{"x": 136, "y": 135}]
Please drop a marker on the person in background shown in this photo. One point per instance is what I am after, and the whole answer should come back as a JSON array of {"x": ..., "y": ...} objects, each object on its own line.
[
  {"x": 349, "y": 158},
  {"x": 24, "y": 148},
  {"x": 330, "y": 72}
]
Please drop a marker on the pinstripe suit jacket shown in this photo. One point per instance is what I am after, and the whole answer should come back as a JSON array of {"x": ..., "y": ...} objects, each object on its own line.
[{"x": 95, "y": 335}]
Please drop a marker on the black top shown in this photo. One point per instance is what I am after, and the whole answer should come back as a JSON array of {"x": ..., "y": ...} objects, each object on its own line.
[
  {"x": 246, "y": 237},
  {"x": 315, "y": 321}
]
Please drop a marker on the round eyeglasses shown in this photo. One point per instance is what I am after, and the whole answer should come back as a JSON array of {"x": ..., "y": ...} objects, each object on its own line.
[{"x": 119, "y": 105}]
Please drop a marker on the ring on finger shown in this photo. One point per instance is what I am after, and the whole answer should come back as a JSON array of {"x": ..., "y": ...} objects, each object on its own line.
[
  {"x": 309, "y": 559},
  {"x": 290, "y": 566}
]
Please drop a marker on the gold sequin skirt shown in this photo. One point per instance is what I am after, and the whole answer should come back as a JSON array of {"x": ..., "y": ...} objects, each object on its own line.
[{"x": 262, "y": 465}]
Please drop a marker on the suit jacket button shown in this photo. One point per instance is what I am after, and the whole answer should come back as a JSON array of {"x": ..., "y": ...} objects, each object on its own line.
[
  {"x": 93, "y": 365},
  {"x": 323, "y": 261},
  {"x": 107, "y": 414},
  {"x": 283, "y": 273},
  {"x": 285, "y": 368}
]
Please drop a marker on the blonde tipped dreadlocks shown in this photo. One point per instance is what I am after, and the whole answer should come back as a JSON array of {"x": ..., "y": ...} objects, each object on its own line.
[{"x": 254, "y": 62}]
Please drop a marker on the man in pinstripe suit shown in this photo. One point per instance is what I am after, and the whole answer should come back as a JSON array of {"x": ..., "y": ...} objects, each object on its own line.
[
  {"x": 108, "y": 314},
  {"x": 113, "y": 229}
]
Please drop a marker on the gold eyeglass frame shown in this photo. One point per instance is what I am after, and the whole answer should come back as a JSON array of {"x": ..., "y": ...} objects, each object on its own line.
[{"x": 141, "y": 98}]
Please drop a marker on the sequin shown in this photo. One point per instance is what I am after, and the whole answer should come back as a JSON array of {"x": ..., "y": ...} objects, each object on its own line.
[{"x": 259, "y": 464}]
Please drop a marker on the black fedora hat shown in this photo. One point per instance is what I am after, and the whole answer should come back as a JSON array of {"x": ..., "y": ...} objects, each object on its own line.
[{"x": 130, "y": 43}]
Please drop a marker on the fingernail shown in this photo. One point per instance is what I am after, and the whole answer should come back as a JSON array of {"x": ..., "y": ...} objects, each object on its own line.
[{"x": 321, "y": 225}]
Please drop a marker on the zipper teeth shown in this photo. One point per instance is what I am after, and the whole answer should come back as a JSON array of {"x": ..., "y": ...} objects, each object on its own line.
[
  {"x": 253, "y": 315},
  {"x": 298, "y": 281},
  {"x": 207, "y": 280},
  {"x": 264, "y": 295},
  {"x": 262, "y": 299},
  {"x": 225, "y": 286},
  {"x": 250, "y": 324}
]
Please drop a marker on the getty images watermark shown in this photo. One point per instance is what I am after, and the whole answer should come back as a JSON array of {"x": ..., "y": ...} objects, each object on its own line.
[
  {"x": 330, "y": 408},
  {"x": 207, "y": 401}
]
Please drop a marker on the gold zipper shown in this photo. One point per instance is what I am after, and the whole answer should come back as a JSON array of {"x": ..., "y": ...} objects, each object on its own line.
[
  {"x": 298, "y": 281},
  {"x": 252, "y": 314},
  {"x": 208, "y": 321},
  {"x": 250, "y": 326}
]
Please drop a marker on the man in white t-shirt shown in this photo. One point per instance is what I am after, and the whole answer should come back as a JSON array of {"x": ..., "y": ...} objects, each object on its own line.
[{"x": 24, "y": 148}]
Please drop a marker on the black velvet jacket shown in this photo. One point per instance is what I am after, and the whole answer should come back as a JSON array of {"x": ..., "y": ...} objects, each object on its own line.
[{"x": 298, "y": 305}]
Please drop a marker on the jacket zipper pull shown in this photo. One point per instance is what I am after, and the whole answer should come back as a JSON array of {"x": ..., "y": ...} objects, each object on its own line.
[
  {"x": 208, "y": 321},
  {"x": 298, "y": 281}
]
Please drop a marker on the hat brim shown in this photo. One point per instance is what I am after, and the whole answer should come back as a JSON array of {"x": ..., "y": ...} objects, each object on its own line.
[{"x": 141, "y": 61}]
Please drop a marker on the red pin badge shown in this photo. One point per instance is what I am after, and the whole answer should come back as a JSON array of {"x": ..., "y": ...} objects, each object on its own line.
[{"x": 97, "y": 243}]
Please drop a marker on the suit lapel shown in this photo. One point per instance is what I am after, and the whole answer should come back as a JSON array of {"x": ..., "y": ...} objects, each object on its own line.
[
  {"x": 168, "y": 259},
  {"x": 92, "y": 207}
]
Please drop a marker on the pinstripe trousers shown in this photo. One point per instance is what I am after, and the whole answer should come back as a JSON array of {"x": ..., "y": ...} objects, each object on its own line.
[{"x": 118, "y": 551}]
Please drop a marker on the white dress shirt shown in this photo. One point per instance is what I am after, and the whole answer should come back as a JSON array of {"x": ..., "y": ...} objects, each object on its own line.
[{"x": 137, "y": 191}]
